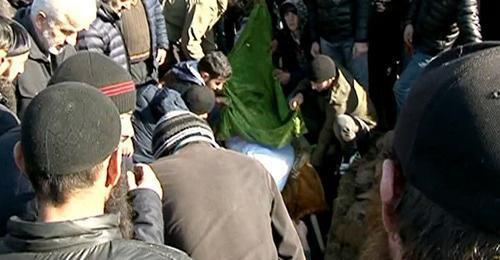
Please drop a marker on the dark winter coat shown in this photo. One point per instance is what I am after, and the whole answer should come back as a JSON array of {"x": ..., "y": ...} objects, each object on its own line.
[
  {"x": 439, "y": 23},
  {"x": 157, "y": 25},
  {"x": 104, "y": 36},
  {"x": 186, "y": 71},
  {"x": 8, "y": 120},
  {"x": 91, "y": 238},
  {"x": 292, "y": 57},
  {"x": 39, "y": 67},
  {"x": 15, "y": 189},
  {"x": 219, "y": 204},
  {"x": 152, "y": 104},
  {"x": 17, "y": 197},
  {"x": 336, "y": 20}
]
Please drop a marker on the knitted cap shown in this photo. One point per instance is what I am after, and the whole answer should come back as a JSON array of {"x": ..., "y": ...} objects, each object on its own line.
[
  {"x": 323, "y": 68},
  {"x": 199, "y": 99},
  {"x": 178, "y": 128},
  {"x": 447, "y": 138},
  {"x": 99, "y": 71},
  {"x": 288, "y": 6},
  {"x": 68, "y": 128}
]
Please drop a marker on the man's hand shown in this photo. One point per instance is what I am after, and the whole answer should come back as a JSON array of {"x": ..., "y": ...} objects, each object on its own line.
[
  {"x": 296, "y": 101},
  {"x": 359, "y": 49},
  {"x": 408, "y": 35},
  {"x": 127, "y": 147},
  {"x": 161, "y": 56},
  {"x": 315, "y": 49},
  {"x": 143, "y": 177},
  {"x": 274, "y": 45},
  {"x": 380, "y": 7},
  {"x": 282, "y": 76},
  {"x": 222, "y": 100}
]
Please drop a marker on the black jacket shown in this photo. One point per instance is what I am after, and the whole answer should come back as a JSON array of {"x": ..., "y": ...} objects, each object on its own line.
[
  {"x": 15, "y": 189},
  {"x": 293, "y": 57},
  {"x": 90, "y": 238},
  {"x": 17, "y": 197},
  {"x": 336, "y": 20},
  {"x": 439, "y": 23},
  {"x": 39, "y": 67}
]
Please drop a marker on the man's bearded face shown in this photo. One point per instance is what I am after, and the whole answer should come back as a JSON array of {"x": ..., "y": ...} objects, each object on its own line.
[{"x": 57, "y": 34}]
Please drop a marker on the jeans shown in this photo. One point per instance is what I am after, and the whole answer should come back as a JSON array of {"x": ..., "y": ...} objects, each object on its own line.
[
  {"x": 341, "y": 53},
  {"x": 412, "y": 72}
]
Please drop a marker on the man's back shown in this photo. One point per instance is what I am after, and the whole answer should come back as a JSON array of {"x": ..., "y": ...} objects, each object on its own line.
[
  {"x": 439, "y": 23},
  {"x": 220, "y": 204},
  {"x": 89, "y": 238}
]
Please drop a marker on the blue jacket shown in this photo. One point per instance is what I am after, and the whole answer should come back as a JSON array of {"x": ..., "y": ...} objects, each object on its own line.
[
  {"x": 157, "y": 25},
  {"x": 187, "y": 71},
  {"x": 152, "y": 104}
]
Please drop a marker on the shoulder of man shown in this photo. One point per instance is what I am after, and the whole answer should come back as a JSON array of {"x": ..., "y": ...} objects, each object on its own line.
[{"x": 133, "y": 249}]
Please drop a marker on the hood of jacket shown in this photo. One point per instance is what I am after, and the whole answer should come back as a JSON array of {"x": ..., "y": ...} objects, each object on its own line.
[
  {"x": 107, "y": 14},
  {"x": 188, "y": 71}
]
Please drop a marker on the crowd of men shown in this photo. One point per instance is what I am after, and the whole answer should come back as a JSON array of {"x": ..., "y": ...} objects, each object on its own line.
[{"x": 108, "y": 122}]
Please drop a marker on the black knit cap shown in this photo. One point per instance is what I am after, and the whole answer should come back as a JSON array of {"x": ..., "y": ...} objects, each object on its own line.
[
  {"x": 288, "y": 6},
  {"x": 102, "y": 72},
  {"x": 178, "y": 128},
  {"x": 68, "y": 128},
  {"x": 447, "y": 138},
  {"x": 323, "y": 68},
  {"x": 199, "y": 99}
]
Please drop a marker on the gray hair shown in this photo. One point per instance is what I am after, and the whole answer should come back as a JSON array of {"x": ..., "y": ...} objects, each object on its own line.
[{"x": 79, "y": 13}]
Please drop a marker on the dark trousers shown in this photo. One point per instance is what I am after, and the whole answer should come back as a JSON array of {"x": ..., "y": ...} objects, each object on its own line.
[{"x": 385, "y": 43}]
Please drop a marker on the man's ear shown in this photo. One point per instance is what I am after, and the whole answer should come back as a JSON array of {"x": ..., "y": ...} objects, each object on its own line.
[
  {"x": 114, "y": 169},
  {"x": 205, "y": 76},
  {"x": 19, "y": 157},
  {"x": 40, "y": 19},
  {"x": 391, "y": 190}
]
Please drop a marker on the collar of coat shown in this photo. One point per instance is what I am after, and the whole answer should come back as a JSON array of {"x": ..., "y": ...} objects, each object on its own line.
[
  {"x": 36, "y": 53},
  {"x": 28, "y": 236}
]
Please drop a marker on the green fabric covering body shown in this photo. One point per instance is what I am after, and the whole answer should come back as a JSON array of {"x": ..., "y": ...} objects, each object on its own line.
[{"x": 258, "y": 110}]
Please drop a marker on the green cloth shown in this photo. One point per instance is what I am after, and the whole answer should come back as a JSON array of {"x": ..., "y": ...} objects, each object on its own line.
[{"x": 258, "y": 110}]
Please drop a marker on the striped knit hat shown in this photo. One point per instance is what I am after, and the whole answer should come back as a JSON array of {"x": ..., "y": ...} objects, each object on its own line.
[
  {"x": 177, "y": 129},
  {"x": 101, "y": 72}
]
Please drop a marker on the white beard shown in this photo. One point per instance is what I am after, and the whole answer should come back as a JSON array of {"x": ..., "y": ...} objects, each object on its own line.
[{"x": 51, "y": 46}]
